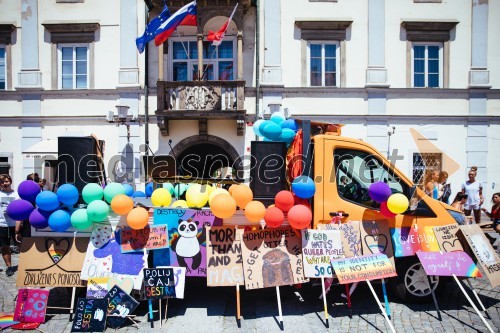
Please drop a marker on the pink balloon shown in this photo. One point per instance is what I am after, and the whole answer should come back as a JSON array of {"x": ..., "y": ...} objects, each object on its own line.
[{"x": 385, "y": 210}]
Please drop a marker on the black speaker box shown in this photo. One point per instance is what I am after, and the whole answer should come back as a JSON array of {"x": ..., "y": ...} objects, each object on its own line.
[
  {"x": 268, "y": 165},
  {"x": 159, "y": 166}
]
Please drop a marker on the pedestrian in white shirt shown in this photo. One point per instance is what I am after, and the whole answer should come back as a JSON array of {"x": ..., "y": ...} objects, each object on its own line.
[
  {"x": 474, "y": 190},
  {"x": 9, "y": 228}
]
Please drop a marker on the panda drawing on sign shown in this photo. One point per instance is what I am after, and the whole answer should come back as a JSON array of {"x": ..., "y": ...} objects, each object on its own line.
[{"x": 187, "y": 244}]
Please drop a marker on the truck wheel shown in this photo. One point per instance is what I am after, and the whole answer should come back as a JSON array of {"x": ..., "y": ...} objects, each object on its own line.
[{"x": 411, "y": 283}]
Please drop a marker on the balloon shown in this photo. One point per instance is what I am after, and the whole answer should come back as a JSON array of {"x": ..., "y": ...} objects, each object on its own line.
[
  {"x": 256, "y": 127},
  {"x": 113, "y": 189},
  {"x": 223, "y": 206},
  {"x": 161, "y": 197},
  {"x": 47, "y": 201},
  {"x": 138, "y": 218},
  {"x": 242, "y": 194},
  {"x": 284, "y": 200},
  {"x": 179, "y": 190},
  {"x": 277, "y": 117},
  {"x": 60, "y": 220},
  {"x": 19, "y": 209},
  {"x": 180, "y": 203},
  {"x": 215, "y": 192},
  {"x": 129, "y": 190},
  {"x": 97, "y": 210},
  {"x": 255, "y": 211},
  {"x": 39, "y": 219},
  {"x": 67, "y": 194},
  {"x": 289, "y": 123},
  {"x": 80, "y": 219},
  {"x": 149, "y": 189},
  {"x": 379, "y": 191},
  {"x": 231, "y": 188},
  {"x": 91, "y": 192},
  {"x": 196, "y": 196},
  {"x": 384, "y": 210},
  {"x": 169, "y": 187},
  {"x": 299, "y": 216},
  {"x": 139, "y": 194},
  {"x": 122, "y": 204},
  {"x": 303, "y": 187},
  {"x": 274, "y": 217},
  {"x": 270, "y": 130},
  {"x": 287, "y": 135},
  {"x": 28, "y": 190},
  {"x": 397, "y": 203}
]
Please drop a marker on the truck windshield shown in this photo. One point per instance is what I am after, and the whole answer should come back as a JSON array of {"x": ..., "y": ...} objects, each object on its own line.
[{"x": 357, "y": 170}]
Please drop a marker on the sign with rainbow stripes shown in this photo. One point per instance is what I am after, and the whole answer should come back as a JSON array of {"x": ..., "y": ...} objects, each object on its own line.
[
  {"x": 370, "y": 267},
  {"x": 448, "y": 264}
]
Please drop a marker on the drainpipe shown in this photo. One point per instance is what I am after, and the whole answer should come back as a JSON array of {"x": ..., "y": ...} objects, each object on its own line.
[
  {"x": 146, "y": 100},
  {"x": 257, "y": 60}
]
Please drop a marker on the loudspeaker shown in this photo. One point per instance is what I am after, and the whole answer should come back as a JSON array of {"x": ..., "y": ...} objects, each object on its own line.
[
  {"x": 268, "y": 165},
  {"x": 79, "y": 161}
]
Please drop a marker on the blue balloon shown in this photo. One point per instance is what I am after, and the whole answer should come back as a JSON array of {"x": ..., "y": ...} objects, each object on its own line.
[
  {"x": 47, "y": 201},
  {"x": 291, "y": 124},
  {"x": 67, "y": 194},
  {"x": 256, "y": 127},
  {"x": 271, "y": 130},
  {"x": 303, "y": 187},
  {"x": 139, "y": 194},
  {"x": 277, "y": 118},
  {"x": 60, "y": 220},
  {"x": 129, "y": 190},
  {"x": 149, "y": 189},
  {"x": 19, "y": 209},
  {"x": 287, "y": 135}
]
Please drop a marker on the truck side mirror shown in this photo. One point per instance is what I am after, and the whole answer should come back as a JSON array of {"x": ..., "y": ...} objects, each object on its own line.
[{"x": 413, "y": 198}]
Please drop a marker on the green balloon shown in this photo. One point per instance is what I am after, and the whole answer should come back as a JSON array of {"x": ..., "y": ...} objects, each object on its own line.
[
  {"x": 91, "y": 192},
  {"x": 113, "y": 189},
  {"x": 97, "y": 210},
  {"x": 169, "y": 187},
  {"x": 80, "y": 219}
]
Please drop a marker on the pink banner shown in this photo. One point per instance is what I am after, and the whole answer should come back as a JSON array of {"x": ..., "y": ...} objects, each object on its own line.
[
  {"x": 31, "y": 305},
  {"x": 448, "y": 264}
]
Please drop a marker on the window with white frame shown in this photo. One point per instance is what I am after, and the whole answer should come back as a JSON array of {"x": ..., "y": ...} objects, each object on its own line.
[
  {"x": 218, "y": 61},
  {"x": 3, "y": 68},
  {"x": 73, "y": 66},
  {"x": 427, "y": 65},
  {"x": 323, "y": 64}
]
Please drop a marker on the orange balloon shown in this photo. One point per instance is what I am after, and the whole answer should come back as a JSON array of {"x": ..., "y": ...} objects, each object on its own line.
[
  {"x": 223, "y": 206},
  {"x": 231, "y": 188},
  {"x": 138, "y": 218},
  {"x": 299, "y": 216},
  {"x": 122, "y": 204},
  {"x": 274, "y": 217},
  {"x": 242, "y": 194},
  {"x": 284, "y": 200},
  {"x": 255, "y": 211}
]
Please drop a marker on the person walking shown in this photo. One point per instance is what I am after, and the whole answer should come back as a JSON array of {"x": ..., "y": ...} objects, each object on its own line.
[
  {"x": 9, "y": 228},
  {"x": 494, "y": 215},
  {"x": 474, "y": 190}
]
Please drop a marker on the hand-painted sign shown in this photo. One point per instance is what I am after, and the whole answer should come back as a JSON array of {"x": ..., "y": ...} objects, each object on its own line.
[
  {"x": 51, "y": 262},
  {"x": 97, "y": 287},
  {"x": 90, "y": 315},
  {"x": 425, "y": 239},
  {"x": 403, "y": 242},
  {"x": 370, "y": 267},
  {"x": 448, "y": 264},
  {"x": 225, "y": 265},
  {"x": 159, "y": 283},
  {"x": 31, "y": 305},
  {"x": 120, "y": 305},
  {"x": 271, "y": 257},
  {"x": 150, "y": 238},
  {"x": 447, "y": 238},
  {"x": 179, "y": 278},
  {"x": 7, "y": 320},
  {"x": 318, "y": 248},
  {"x": 375, "y": 238},
  {"x": 350, "y": 236}
]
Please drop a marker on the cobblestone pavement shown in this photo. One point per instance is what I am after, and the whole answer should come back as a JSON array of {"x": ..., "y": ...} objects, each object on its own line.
[{"x": 214, "y": 310}]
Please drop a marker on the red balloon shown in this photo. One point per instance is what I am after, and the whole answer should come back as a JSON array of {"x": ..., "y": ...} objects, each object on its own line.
[
  {"x": 299, "y": 216},
  {"x": 284, "y": 200},
  {"x": 274, "y": 217},
  {"x": 385, "y": 210}
]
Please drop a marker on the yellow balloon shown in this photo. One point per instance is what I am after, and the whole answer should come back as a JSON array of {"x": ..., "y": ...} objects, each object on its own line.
[
  {"x": 180, "y": 203},
  {"x": 215, "y": 192},
  {"x": 196, "y": 196},
  {"x": 210, "y": 189},
  {"x": 161, "y": 197},
  {"x": 397, "y": 203}
]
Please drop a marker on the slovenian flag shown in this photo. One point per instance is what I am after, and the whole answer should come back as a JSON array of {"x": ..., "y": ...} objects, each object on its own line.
[
  {"x": 217, "y": 37},
  {"x": 184, "y": 16},
  {"x": 152, "y": 30}
]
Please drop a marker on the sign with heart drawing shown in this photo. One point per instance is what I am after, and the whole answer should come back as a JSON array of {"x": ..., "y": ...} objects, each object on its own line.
[
  {"x": 375, "y": 238},
  {"x": 447, "y": 238}
]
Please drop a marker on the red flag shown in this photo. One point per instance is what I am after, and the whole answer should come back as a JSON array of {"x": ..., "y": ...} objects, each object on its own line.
[{"x": 217, "y": 37}]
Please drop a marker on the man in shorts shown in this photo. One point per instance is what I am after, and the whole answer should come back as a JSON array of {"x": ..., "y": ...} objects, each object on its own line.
[{"x": 9, "y": 228}]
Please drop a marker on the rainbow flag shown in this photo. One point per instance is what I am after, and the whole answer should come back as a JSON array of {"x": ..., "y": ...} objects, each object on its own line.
[{"x": 7, "y": 320}]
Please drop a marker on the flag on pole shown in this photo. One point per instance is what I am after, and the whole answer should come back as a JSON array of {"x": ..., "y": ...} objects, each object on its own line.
[
  {"x": 152, "y": 30},
  {"x": 184, "y": 16},
  {"x": 217, "y": 37}
]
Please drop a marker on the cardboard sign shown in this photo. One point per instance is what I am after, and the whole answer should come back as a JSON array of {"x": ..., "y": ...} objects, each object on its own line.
[
  {"x": 318, "y": 247},
  {"x": 97, "y": 287},
  {"x": 159, "y": 283},
  {"x": 375, "y": 238},
  {"x": 31, "y": 305},
  {"x": 403, "y": 242},
  {"x": 187, "y": 236},
  {"x": 425, "y": 239},
  {"x": 102, "y": 233},
  {"x": 447, "y": 238},
  {"x": 369, "y": 267},
  {"x": 271, "y": 257},
  {"x": 126, "y": 283},
  {"x": 225, "y": 265},
  {"x": 51, "y": 262},
  {"x": 447, "y": 264},
  {"x": 180, "y": 280},
  {"x": 90, "y": 315},
  {"x": 350, "y": 236},
  {"x": 150, "y": 238},
  {"x": 120, "y": 304},
  {"x": 484, "y": 252}
]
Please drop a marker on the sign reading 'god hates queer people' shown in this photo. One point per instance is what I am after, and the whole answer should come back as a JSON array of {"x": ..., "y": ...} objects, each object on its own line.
[{"x": 318, "y": 247}]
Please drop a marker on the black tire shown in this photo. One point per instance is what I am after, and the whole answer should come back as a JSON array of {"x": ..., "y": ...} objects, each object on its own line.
[{"x": 410, "y": 285}]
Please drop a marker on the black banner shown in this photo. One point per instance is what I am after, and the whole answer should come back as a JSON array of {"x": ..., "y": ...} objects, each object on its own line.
[
  {"x": 90, "y": 315},
  {"x": 120, "y": 306},
  {"x": 159, "y": 283}
]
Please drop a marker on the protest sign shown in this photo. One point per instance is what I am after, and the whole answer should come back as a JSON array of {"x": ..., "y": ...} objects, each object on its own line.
[
  {"x": 120, "y": 305},
  {"x": 102, "y": 232},
  {"x": 90, "y": 315},
  {"x": 403, "y": 242},
  {"x": 271, "y": 257},
  {"x": 97, "y": 287},
  {"x": 150, "y": 238},
  {"x": 159, "y": 283},
  {"x": 126, "y": 283},
  {"x": 51, "y": 262},
  {"x": 369, "y": 267},
  {"x": 484, "y": 252},
  {"x": 350, "y": 236},
  {"x": 375, "y": 238},
  {"x": 179, "y": 278},
  {"x": 187, "y": 238},
  {"x": 318, "y": 247},
  {"x": 31, "y": 305},
  {"x": 447, "y": 238},
  {"x": 448, "y": 264},
  {"x": 425, "y": 239},
  {"x": 225, "y": 265},
  {"x": 7, "y": 320}
]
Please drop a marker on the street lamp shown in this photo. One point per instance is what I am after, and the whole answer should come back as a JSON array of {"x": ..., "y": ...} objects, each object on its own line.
[{"x": 122, "y": 118}]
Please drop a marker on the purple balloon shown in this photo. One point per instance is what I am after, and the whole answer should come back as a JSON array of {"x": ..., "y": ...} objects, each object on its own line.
[
  {"x": 379, "y": 191},
  {"x": 19, "y": 209},
  {"x": 28, "y": 190},
  {"x": 39, "y": 219}
]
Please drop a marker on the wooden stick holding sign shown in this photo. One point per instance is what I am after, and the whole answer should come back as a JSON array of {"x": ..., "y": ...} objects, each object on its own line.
[
  {"x": 280, "y": 314},
  {"x": 386, "y": 299},
  {"x": 238, "y": 314},
  {"x": 380, "y": 306},
  {"x": 325, "y": 306},
  {"x": 159, "y": 283},
  {"x": 477, "y": 298}
]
